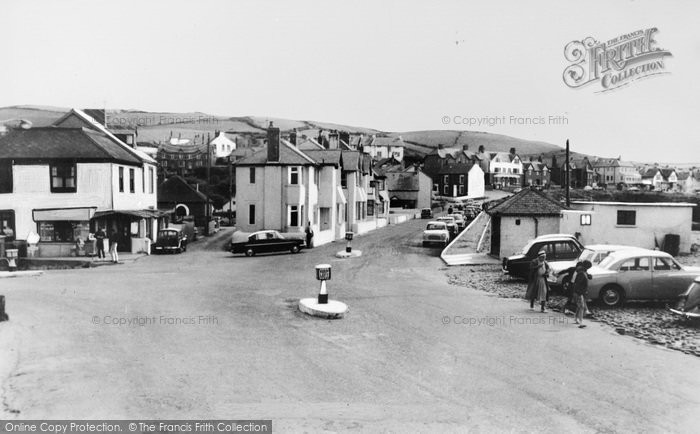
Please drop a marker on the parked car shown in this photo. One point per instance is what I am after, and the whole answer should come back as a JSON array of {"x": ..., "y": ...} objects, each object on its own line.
[
  {"x": 688, "y": 305},
  {"x": 264, "y": 242},
  {"x": 436, "y": 233},
  {"x": 459, "y": 219},
  {"x": 451, "y": 225},
  {"x": 170, "y": 240},
  {"x": 559, "y": 248},
  {"x": 426, "y": 213},
  {"x": 593, "y": 253},
  {"x": 470, "y": 212},
  {"x": 639, "y": 274}
]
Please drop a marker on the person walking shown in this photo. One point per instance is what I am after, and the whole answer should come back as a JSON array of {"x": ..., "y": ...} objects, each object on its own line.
[
  {"x": 580, "y": 288},
  {"x": 309, "y": 235},
  {"x": 100, "y": 242},
  {"x": 113, "y": 243},
  {"x": 537, "y": 288}
]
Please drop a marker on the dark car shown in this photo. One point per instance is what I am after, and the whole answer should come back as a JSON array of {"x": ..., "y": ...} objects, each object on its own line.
[
  {"x": 559, "y": 247},
  {"x": 426, "y": 213},
  {"x": 170, "y": 240},
  {"x": 264, "y": 242}
]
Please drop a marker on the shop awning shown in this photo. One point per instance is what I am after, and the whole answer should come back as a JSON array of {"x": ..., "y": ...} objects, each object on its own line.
[
  {"x": 384, "y": 196},
  {"x": 340, "y": 196},
  {"x": 63, "y": 214},
  {"x": 137, "y": 213}
]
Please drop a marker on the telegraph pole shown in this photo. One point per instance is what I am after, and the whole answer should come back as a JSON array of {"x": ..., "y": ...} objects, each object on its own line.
[
  {"x": 568, "y": 172},
  {"x": 208, "y": 210},
  {"x": 230, "y": 190}
]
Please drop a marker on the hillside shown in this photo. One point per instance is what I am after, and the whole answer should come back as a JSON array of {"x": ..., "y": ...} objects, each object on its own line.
[{"x": 159, "y": 126}]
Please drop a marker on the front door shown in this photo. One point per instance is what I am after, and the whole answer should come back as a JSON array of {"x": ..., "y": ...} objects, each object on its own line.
[{"x": 496, "y": 236}]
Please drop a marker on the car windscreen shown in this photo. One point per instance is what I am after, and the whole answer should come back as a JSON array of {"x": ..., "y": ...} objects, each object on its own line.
[
  {"x": 167, "y": 234},
  {"x": 434, "y": 227}
]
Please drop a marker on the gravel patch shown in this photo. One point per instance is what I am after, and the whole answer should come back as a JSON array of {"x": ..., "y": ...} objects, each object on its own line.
[{"x": 650, "y": 322}]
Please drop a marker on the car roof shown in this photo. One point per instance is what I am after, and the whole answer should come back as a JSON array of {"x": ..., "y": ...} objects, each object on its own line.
[
  {"x": 608, "y": 247},
  {"x": 553, "y": 236},
  {"x": 638, "y": 251},
  {"x": 172, "y": 229},
  {"x": 436, "y": 222}
]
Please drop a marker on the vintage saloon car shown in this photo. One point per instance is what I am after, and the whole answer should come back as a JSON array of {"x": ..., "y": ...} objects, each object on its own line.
[
  {"x": 451, "y": 225},
  {"x": 264, "y": 242},
  {"x": 593, "y": 253},
  {"x": 559, "y": 248},
  {"x": 638, "y": 274},
  {"x": 436, "y": 233},
  {"x": 688, "y": 305},
  {"x": 171, "y": 240}
]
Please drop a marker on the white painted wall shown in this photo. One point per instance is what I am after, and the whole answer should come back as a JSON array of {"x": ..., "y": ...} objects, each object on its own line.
[
  {"x": 514, "y": 236},
  {"x": 653, "y": 221},
  {"x": 475, "y": 182}
]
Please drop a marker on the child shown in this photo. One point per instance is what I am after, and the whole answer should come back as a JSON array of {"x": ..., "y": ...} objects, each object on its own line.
[{"x": 580, "y": 287}]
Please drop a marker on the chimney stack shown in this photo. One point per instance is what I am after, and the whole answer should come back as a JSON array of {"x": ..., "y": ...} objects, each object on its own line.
[
  {"x": 293, "y": 137},
  {"x": 344, "y": 137},
  {"x": 441, "y": 146},
  {"x": 273, "y": 144},
  {"x": 512, "y": 151},
  {"x": 333, "y": 140},
  {"x": 465, "y": 147},
  {"x": 481, "y": 149}
]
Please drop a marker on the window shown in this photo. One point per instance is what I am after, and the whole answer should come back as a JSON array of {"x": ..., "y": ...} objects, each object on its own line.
[
  {"x": 635, "y": 264},
  {"x": 461, "y": 179},
  {"x": 665, "y": 264},
  {"x": 132, "y": 181},
  {"x": 5, "y": 176},
  {"x": 293, "y": 215},
  {"x": 461, "y": 189},
  {"x": 339, "y": 213},
  {"x": 252, "y": 176},
  {"x": 565, "y": 250},
  {"x": 317, "y": 176},
  {"x": 63, "y": 178},
  {"x": 446, "y": 179},
  {"x": 585, "y": 219},
  {"x": 344, "y": 180},
  {"x": 294, "y": 175},
  {"x": 151, "y": 180},
  {"x": 436, "y": 188},
  {"x": 121, "y": 180},
  {"x": 370, "y": 207},
  {"x": 143, "y": 180},
  {"x": 251, "y": 214},
  {"x": 627, "y": 218},
  {"x": 446, "y": 189},
  {"x": 63, "y": 231}
]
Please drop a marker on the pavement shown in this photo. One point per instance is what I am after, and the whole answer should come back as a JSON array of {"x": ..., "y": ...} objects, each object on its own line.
[{"x": 206, "y": 334}]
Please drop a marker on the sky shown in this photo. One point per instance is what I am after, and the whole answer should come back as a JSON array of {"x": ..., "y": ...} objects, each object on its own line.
[{"x": 391, "y": 65}]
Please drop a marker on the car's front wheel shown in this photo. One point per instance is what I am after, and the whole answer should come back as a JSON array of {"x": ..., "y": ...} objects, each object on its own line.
[
  {"x": 249, "y": 252},
  {"x": 294, "y": 249},
  {"x": 612, "y": 296}
]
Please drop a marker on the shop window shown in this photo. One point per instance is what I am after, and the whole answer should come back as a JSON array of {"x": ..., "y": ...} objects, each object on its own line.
[
  {"x": 63, "y": 231},
  {"x": 63, "y": 178}
]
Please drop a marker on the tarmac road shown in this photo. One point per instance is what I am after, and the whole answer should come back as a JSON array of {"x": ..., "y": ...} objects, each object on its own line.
[{"x": 414, "y": 354}]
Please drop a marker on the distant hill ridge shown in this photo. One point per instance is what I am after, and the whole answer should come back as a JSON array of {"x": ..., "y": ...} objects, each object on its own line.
[{"x": 158, "y": 126}]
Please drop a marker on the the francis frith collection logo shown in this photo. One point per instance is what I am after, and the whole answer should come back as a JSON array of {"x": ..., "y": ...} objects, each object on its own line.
[{"x": 614, "y": 63}]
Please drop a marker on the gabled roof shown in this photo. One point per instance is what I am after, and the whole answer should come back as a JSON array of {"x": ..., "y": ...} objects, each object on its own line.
[
  {"x": 528, "y": 202},
  {"x": 326, "y": 157},
  {"x": 351, "y": 160},
  {"x": 289, "y": 156},
  {"x": 682, "y": 176},
  {"x": 650, "y": 172},
  {"x": 176, "y": 189},
  {"x": 309, "y": 144},
  {"x": 455, "y": 168},
  {"x": 78, "y": 118},
  {"x": 387, "y": 141},
  {"x": 667, "y": 172},
  {"x": 503, "y": 156},
  {"x": 45, "y": 143},
  {"x": 536, "y": 165},
  {"x": 403, "y": 182}
]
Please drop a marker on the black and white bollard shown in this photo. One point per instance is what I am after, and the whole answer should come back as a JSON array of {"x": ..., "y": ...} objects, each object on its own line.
[
  {"x": 348, "y": 237},
  {"x": 323, "y": 273},
  {"x": 3, "y": 314}
]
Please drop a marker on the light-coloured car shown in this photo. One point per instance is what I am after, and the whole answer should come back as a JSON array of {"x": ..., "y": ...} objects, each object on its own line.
[
  {"x": 688, "y": 305},
  {"x": 436, "y": 233},
  {"x": 593, "y": 253},
  {"x": 638, "y": 274},
  {"x": 459, "y": 219},
  {"x": 451, "y": 224}
]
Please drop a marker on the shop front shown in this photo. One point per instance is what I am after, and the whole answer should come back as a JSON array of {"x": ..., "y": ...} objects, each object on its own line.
[
  {"x": 135, "y": 229},
  {"x": 62, "y": 231}
]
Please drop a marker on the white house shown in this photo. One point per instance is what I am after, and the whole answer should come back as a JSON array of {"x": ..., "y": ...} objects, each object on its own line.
[
  {"x": 636, "y": 224},
  {"x": 64, "y": 181},
  {"x": 384, "y": 147},
  {"x": 505, "y": 169},
  {"x": 222, "y": 145}
]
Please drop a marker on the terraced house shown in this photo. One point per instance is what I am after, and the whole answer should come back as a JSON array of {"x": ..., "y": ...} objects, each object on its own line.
[
  {"x": 63, "y": 181},
  {"x": 289, "y": 184}
]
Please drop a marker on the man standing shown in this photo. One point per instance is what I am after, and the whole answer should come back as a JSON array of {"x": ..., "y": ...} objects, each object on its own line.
[
  {"x": 537, "y": 288},
  {"x": 100, "y": 241},
  {"x": 309, "y": 235},
  {"x": 113, "y": 242}
]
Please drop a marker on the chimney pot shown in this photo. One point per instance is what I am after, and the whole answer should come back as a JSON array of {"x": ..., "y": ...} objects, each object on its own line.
[
  {"x": 273, "y": 144},
  {"x": 441, "y": 146}
]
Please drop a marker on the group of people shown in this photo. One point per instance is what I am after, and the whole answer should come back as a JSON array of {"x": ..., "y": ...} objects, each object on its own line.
[
  {"x": 576, "y": 287},
  {"x": 100, "y": 236}
]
